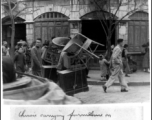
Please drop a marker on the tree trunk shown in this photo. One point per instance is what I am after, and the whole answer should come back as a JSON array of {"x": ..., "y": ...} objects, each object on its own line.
[
  {"x": 108, "y": 47},
  {"x": 13, "y": 30},
  {"x": 12, "y": 38}
]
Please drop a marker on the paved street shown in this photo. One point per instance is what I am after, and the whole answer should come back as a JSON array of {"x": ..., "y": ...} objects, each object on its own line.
[
  {"x": 95, "y": 95},
  {"x": 136, "y": 77},
  {"x": 137, "y": 93}
]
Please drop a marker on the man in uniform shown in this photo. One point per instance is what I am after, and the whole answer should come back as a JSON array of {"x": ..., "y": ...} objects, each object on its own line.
[{"x": 116, "y": 67}]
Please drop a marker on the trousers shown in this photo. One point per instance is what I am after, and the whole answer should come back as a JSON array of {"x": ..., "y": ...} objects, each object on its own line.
[
  {"x": 120, "y": 77},
  {"x": 126, "y": 67}
]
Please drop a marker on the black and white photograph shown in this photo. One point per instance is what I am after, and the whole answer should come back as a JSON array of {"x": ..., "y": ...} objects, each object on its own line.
[{"x": 75, "y": 52}]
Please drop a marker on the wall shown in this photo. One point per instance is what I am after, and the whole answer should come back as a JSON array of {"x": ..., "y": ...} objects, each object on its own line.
[{"x": 74, "y": 9}]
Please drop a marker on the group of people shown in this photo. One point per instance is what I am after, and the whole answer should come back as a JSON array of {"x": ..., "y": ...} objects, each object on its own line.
[
  {"x": 36, "y": 52},
  {"x": 113, "y": 69},
  {"x": 105, "y": 64},
  {"x": 119, "y": 62},
  {"x": 27, "y": 59}
]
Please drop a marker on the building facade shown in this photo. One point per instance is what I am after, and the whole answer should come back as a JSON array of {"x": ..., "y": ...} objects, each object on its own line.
[{"x": 53, "y": 18}]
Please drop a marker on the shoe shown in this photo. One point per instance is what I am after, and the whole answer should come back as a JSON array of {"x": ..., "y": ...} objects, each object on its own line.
[
  {"x": 124, "y": 90},
  {"x": 127, "y": 75},
  {"x": 104, "y": 88}
]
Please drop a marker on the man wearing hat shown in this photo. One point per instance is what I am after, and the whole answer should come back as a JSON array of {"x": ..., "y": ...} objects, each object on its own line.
[{"x": 116, "y": 67}]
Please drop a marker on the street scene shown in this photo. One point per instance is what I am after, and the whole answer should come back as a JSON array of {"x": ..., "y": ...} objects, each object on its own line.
[
  {"x": 139, "y": 90},
  {"x": 58, "y": 52}
]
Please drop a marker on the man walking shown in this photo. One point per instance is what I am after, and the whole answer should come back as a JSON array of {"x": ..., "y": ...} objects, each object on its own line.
[
  {"x": 116, "y": 67},
  {"x": 125, "y": 60},
  {"x": 36, "y": 53}
]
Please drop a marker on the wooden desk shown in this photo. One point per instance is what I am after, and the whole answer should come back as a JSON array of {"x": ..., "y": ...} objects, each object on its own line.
[
  {"x": 50, "y": 72},
  {"x": 72, "y": 81}
]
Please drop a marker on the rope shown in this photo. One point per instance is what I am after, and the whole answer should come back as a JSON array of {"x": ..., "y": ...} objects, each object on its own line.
[{"x": 75, "y": 80}]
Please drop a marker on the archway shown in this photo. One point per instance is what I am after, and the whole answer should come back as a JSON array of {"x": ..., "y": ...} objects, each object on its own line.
[
  {"x": 92, "y": 28},
  {"x": 20, "y": 29},
  {"x": 138, "y": 34},
  {"x": 138, "y": 31},
  {"x": 51, "y": 24}
]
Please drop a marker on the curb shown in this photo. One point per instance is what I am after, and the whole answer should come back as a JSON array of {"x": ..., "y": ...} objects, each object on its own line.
[{"x": 117, "y": 84}]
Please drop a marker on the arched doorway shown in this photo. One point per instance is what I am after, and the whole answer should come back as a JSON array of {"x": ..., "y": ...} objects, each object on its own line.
[
  {"x": 92, "y": 28},
  {"x": 138, "y": 34},
  {"x": 138, "y": 31},
  {"x": 51, "y": 24},
  {"x": 20, "y": 29}
]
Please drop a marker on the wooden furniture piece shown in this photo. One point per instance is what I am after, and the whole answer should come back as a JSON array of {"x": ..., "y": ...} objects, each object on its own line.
[
  {"x": 50, "y": 72},
  {"x": 73, "y": 81}
]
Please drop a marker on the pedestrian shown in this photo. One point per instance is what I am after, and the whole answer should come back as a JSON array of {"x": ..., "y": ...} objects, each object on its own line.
[
  {"x": 106, "y": 54},
  {"x": 20, "y": 62},
  {"x": 126, "y": 67},
  {"x": 32, "y": 44},
  {"x": 5, "y": 48},
  {"x": 27, "y": 56},
  {"x": 116, "y": 68},
  {"x": 132, "y": 64},
  {"x": 44, "y": 49},
  {"x": 146, "y": 57},
  {"x": 104, "y": 66},
  {"x": 45, "y": 45},
  {"x": 112, "y": 47},
  {"x": 36, "y": 62}
]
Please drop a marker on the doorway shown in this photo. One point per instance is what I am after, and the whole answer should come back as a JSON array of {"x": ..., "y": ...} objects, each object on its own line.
[
  {"x": 94, "y": 30},
  {"x": 20, "y": 30}
]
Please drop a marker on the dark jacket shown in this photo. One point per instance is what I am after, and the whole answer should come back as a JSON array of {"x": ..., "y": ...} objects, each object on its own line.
[
  {"x": 36, "y": 61},
  {"x": 20, "y": 61}
]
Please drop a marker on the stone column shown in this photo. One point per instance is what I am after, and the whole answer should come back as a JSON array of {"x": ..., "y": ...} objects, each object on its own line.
[
  {"x": 30, "y": 32},
  {"x": 123, "y": 28},
  {"x": 75, "y": 27},
  {"x": 74, "y": 17}
]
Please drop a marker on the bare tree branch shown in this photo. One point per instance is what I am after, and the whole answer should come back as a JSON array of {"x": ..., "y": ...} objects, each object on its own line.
[
  {"x": 103, "y": 26},
  {"x": 102, "y": 11},
  {"x": 120, "y": 3},
  {"x": 19, "y": 12},
  {"x": 117, "y": 22}
]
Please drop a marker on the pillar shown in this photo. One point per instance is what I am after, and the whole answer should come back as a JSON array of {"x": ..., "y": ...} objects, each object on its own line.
[
  {"x": 74, "y": 18},
  {"x": 29, "y": 33}
]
